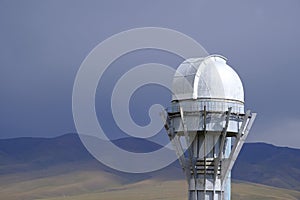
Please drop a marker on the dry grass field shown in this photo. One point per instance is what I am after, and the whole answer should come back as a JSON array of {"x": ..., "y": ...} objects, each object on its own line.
[{"x": 92, "y": 185}]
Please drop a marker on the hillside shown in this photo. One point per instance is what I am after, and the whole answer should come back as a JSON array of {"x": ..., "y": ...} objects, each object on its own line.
[
  {"x": 98, "y": 185},
  {"x": 269, "y": 165},
  {"x": 38, "y": 168}
]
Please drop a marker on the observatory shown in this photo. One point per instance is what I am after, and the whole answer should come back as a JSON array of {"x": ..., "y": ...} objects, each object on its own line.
[{"x": 207, "y": 119}]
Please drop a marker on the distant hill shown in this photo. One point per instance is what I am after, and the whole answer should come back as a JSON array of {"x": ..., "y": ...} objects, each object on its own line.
[
  {"x": 269, "y": 165},
  {"x": 45, "y": 157}
]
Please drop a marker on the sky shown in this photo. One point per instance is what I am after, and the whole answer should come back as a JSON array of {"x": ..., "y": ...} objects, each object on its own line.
[{"x": 43, "y": 43}]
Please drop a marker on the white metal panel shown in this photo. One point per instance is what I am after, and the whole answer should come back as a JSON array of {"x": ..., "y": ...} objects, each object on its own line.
[{"x": 208, "y": 77}]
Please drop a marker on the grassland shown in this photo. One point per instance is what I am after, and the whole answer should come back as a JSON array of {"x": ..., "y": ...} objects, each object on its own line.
[{"x": 92, "y": 185}]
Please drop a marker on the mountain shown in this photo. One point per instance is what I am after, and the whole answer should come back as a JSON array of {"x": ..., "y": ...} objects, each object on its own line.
[
  {"x": 269, "y": 165},
  {"x": 31, "y": 158},
  {"x": 55, "y": 156}
]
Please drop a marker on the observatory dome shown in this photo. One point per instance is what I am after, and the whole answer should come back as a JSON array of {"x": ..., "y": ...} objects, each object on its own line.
[
  {"x": 207, "y": 82},
  {"x": 207, "y": 78}
]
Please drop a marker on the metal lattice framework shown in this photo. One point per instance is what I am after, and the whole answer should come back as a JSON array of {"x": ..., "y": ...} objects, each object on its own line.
[{"x": 208, "y": 173}]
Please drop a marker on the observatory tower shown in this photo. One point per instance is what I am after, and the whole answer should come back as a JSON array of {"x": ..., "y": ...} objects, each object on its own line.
[{"x": 207, "y": 118}]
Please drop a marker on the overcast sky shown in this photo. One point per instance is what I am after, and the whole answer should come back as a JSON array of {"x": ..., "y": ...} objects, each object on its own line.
[{"x": 42, "y": 44}]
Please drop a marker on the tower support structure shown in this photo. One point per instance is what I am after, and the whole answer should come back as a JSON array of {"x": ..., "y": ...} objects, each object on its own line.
[{"x": 210, "y": 155}]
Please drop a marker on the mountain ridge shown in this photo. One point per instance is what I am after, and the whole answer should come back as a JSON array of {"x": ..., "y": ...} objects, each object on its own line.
[{"x": 258, "y": 162}]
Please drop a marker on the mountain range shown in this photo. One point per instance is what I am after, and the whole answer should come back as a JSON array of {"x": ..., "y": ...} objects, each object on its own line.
[{"x": 27, "y": 160}]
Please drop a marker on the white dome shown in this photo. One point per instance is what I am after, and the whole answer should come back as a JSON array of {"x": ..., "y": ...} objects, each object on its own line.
[{"x": 207, "y": 78}]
